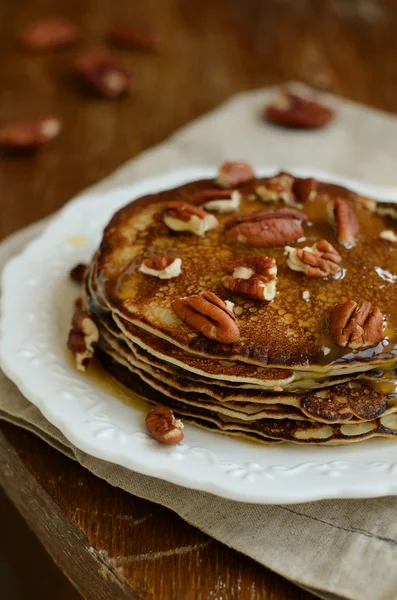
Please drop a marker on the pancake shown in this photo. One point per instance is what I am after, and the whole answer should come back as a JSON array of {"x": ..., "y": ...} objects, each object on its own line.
[
  {"x": 286, "y": 377},
  {"x": 359, "y": 400},
  {"x": 292, "y": 332},
  {"x": 263, "y": 430},
  {"x": 166, "y": 356},
  {"x": 354, "y": 401}
]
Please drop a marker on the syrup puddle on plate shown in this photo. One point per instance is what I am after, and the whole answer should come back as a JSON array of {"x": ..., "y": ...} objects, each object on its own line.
[
  {"x": 76, "y": 240},
  {"x": 101, "y": 379}
]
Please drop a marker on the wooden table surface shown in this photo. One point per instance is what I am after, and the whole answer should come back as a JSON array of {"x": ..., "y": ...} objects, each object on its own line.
[{"x": 110, "y": 544}]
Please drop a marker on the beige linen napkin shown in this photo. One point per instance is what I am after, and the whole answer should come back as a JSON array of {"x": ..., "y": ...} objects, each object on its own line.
[{"x": 334, "y": 548}]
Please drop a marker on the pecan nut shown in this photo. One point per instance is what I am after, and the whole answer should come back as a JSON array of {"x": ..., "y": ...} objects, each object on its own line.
[
  {"x": 163, "y": 267},
  {"x": 266, "y": 229},
  {"x": 320, "y": 260},
  {"x": 104, "y": 73},
  {"x": 30, "y": 134},
  {"x": 163, "y": 426},
  {"x": 348, "y": 228},
  {"x": 292, "y": 108},
  {"x": 182, "y": 216},
  {"x": 305, "y": 188},
  {"x": 48, "y": 33},
  {"x": 354, "y": 326},
  {"x": 78, "y": 272},
  {"x": 387, "y": 209},
  {"x": 278, "y": 188},
  {"x": 233, "y": 174},
  {"x": 254, "y": 277},
  {"x": 136, "y": 37},
  {"x": 222, "y": 201},
  {"x": 209, "y": 315},
  {"x": 83, "y": 336}
]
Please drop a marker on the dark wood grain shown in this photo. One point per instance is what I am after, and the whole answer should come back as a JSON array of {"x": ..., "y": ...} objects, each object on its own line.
[
  {"x": 109, "y": 543},
  {"x": 112, "y": 545}
]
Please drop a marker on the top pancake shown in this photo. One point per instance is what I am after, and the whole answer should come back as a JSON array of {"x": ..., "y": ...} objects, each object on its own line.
[{"x": 287, "y": 332}]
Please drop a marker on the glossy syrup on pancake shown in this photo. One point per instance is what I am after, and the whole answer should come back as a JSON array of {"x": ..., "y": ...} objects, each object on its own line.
[
  {"x": 288, "y": 332},
  {"x": 161, "y": 354}
]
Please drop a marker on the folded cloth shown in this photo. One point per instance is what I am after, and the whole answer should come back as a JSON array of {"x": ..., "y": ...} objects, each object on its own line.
[{"x": 335, "y": 549}]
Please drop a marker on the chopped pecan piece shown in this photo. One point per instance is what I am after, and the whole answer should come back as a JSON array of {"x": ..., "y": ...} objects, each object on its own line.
[
  {"x": 233, "y": 174},
  {"x": 163, "y": 426},
  {"x": 254, "y": 277},
  {"x": 29, "y": 134},
  {"x": 277, "y": 188},
  {"x": 354, "y": 326},
  {"x": 48, "y": 33},
  {"x": 305, "y": 189},
  {"x": 368, "y": 203},
  {"x": 181, "y": 216},
  {"x": 78, "y": 272},
  {"x": 83, "y": 336},
  {"x": 104, "y": 73},
  {"x": 134, "y": 36},
  {"x": 209, "y": 315},
  {"x": 387, "y": 209},
  {"x": 163, "y": 267},
  {"x": 265, "y": 229},
  {"x": 222, "y": 201},
  {"x": 296, "y": 109},
  {"x": 389, "y": 235},
  {"x": 320, "y": 260},
  {"x": 348, "y": 228}
]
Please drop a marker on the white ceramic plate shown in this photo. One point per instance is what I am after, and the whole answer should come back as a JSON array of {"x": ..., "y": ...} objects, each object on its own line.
[{"x": 37, "y": 304}]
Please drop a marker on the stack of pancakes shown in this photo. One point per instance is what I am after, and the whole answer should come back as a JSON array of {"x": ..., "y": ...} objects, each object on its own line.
[{"x": 286, "y": 378}]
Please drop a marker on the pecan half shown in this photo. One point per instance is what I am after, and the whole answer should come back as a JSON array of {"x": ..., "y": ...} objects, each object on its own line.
[
  {"x": 136, "y": 37},
  {"x": 354, "y": 326},
  {"x": 296, "y": 109},
  {"x": 265, "y": 229},
  {"x": 163, "y": 426},
  {"x": 163, "y": 267},
  {"x": 209, "y": 315},
  {"x": 83, "y": 336},
  {"x": 233, "y": 174},
  {"x": 320, "y": 260},
  {"x": 30, "y": 134},
  {"x": 348, "y": 228},
  {"x": 182, "y": 216},
  {"x": 78, "y": 272},
  {"x": 305, "y": 188},
  {"x": 104, "y": 73},
  {"x": 277, "y": 188},
  {"x": 48, "y": 33},
  {"x": 254, "y": 277}
]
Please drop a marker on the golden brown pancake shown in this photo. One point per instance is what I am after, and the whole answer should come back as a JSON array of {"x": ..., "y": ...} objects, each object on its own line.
[
  {"x": 287, "y": 332},
  {"x": 264, "y": 430},
  {"x": 286, "y": 379}
]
